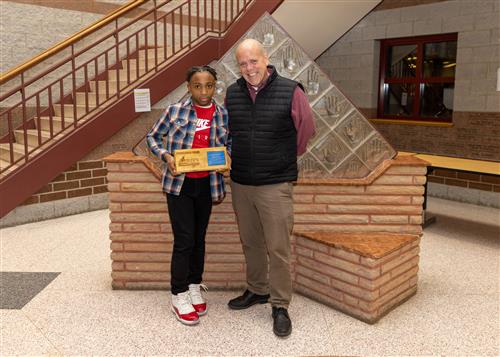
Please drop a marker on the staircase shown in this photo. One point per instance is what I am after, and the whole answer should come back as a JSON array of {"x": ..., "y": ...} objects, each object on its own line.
[
  {"x": 67, "y": 115},
  {"x": 58, "y": 112}
]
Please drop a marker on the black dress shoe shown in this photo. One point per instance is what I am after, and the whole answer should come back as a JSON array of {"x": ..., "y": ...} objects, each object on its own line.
[
  {"x": 246, "y": 300},
  {"x": 282, "y": 325}
]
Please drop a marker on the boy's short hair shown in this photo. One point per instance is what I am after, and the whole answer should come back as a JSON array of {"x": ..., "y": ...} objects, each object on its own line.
[{"x": 195, "y": 69}]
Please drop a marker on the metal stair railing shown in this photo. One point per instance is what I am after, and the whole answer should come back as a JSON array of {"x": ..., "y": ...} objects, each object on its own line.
[{"x": 58, "y": 91}]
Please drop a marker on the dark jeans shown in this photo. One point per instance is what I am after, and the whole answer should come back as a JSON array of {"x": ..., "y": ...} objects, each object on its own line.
[{"x": 189, "y": 214}]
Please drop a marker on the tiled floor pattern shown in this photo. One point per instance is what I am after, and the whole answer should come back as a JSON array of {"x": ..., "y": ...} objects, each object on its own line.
[
  {"x": 455, "y": 311},
  {"x": 18, "y": 288}
]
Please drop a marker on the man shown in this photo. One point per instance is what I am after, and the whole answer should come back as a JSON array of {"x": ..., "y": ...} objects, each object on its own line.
[{"x": 270, "y": 123}]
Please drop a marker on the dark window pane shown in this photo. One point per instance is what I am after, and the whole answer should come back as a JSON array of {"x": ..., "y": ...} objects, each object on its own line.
[
  {"x": 440, "y": 59},
  {"x": 436, "y": 100},
  {"x": 401, "y": 61},
  {"x": 398, "y": 99}
]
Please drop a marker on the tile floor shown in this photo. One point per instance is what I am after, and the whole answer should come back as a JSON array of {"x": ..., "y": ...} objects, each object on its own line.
[{"x": 455, "y": 311}]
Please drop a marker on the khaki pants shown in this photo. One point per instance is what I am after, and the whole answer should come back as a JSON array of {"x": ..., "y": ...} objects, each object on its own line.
[{"x": 265, "y": 220}]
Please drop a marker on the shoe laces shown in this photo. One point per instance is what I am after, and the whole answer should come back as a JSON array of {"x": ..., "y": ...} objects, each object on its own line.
[
  {"x": 183, "y": 303},
  {"x": 195, "y": 293}
]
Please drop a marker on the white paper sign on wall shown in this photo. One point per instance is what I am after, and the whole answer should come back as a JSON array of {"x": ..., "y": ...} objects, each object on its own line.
[{"x": 142, "y": 100}]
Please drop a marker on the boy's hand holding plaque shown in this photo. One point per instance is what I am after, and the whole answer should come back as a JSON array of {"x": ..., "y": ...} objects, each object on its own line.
[{"x": 208, "y": 159}]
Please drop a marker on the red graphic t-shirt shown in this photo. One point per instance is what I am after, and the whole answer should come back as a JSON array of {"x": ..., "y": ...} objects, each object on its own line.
[{"x": 202, "y": 134}]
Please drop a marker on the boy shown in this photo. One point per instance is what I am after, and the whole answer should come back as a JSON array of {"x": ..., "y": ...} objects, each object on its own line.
[{"x": 197, "y": 122}]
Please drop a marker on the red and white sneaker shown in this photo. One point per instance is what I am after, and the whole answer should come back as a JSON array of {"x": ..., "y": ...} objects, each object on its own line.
[
  {"x": 197, "y": 300},
  {"x": 183, "y": 310}
]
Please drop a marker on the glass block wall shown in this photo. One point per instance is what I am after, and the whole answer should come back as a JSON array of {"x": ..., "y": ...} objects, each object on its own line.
[{"x": 345, "y": 145}]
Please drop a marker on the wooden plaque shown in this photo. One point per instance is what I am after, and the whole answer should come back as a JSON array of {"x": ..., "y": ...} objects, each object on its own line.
[{"x": 208, "y": 159}]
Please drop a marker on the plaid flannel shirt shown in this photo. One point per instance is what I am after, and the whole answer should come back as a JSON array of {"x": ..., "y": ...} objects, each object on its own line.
[{"x": 178, "y": 125}]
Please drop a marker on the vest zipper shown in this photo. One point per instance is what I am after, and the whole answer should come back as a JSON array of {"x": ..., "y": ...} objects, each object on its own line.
[{"x": 252, "y": 153}]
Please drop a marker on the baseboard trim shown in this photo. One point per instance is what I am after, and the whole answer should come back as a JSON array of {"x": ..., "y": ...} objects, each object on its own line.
[
  {"x": 53, "y": 209},
  {"x": 463, "y": 194}
]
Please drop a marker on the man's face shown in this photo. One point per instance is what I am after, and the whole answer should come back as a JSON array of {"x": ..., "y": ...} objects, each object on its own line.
[
  {"x": 202, "y": 88},
  {"x": 253, "y": 64}
]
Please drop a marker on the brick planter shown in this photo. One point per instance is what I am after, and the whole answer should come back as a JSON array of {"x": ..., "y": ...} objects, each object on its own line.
[
  {"x": 364, "y": 275},
  {"x": 389, "y": 200},
  {"x": 141, "y": 235}
]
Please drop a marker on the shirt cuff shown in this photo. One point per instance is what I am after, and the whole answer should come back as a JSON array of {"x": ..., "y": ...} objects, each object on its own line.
[{"x": 162, "y": 153}]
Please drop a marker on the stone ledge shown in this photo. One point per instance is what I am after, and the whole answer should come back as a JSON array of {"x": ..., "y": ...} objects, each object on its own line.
[
  {"x": 372, "y": 245},
  {"x": 408, "y": 161},
  {"x": 130, "y": 157}
]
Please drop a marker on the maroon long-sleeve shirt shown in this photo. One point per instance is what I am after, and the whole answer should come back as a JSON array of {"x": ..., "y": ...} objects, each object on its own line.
[{"x": 301, "y": 113}]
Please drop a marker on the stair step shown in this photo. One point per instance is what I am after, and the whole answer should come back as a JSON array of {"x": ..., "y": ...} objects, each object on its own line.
[
  {"x": 132, "y": 62},
  {"x": 32, "y": 136},
  {"x": 102, "y": 87},
  {"x": 56, "y": 123},
  {"x": 18, "y": 150},
  {"x": 92, "y": 99},
  {"x": 4, "y": 164},
  {"x": 152, "y": 51},
  {"x": 152, "y": 55},
  {"x": 112, "y": 74},
  {"x": 68, "y": 110}
]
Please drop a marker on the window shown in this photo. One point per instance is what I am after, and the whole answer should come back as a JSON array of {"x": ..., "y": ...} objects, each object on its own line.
[{"x": 417, "y": 78}]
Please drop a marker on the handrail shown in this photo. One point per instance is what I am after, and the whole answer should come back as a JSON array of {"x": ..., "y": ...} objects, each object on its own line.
[
  {"x": 79, "y": 89},
  {"x": 133, "y": 4}
]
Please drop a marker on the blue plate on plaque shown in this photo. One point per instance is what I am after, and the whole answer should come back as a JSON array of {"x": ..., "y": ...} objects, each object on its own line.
[{"x": 215, "y": 158}]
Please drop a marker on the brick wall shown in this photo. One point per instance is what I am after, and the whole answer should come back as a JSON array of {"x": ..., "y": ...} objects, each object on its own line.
[
  {"x": 84, "y": 178},
  {"x": 392, "y": 203},
  {"x": 489, "y": 183},
  {"x": 473, "y": 136},
  {"x": 141, "y": 236}
]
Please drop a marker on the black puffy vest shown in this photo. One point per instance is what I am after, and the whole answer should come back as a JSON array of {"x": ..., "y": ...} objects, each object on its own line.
[{"x": 264, "y": 138}]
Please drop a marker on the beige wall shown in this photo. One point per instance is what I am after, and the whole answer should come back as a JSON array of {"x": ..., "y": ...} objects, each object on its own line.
[
  {"x": 353, "y": 63},
  {"x": 327, "y": 20},
  {"x": 28, "y": 30}
]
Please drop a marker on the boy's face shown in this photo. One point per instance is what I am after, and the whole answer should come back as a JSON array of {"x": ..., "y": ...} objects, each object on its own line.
[{"x": 202, "y": 88}]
